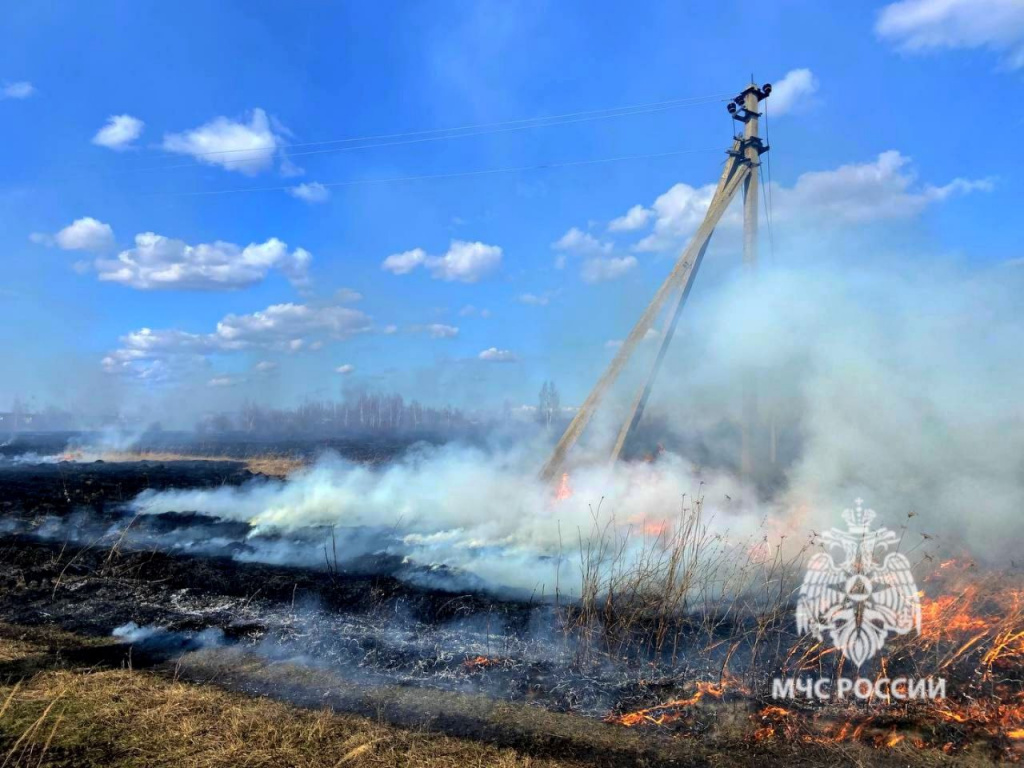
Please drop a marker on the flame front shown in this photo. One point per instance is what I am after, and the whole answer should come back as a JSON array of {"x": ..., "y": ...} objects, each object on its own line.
[{"x": 564, "y": 490}]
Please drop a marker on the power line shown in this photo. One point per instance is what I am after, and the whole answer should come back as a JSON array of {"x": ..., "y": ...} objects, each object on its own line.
[
  {"x": 443, "y": 134},
  {"x": 429, "y": 177},
  {"x": 598, "y": 114}
]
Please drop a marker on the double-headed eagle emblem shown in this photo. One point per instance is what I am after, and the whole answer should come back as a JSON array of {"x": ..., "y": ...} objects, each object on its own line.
[{"x": 858, "y": 601}]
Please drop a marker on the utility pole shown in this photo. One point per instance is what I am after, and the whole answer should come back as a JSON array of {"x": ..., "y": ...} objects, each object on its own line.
[
  {"x": 740, "y": 170},
  {"x": 752, "y": 149}
]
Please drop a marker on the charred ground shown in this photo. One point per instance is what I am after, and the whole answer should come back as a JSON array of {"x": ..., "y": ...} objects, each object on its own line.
[{"x": 378, "y": 636}]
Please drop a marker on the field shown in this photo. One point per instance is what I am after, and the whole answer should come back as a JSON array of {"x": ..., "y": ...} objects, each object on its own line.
[{"x": 182, "y": 639}]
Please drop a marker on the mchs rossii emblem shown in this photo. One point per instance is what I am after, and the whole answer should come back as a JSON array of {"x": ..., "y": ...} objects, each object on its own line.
[{"x": 863, "y": 593}]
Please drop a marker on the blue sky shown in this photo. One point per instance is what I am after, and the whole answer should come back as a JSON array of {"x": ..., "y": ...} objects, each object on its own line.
[{"x": 890, "y": 134}]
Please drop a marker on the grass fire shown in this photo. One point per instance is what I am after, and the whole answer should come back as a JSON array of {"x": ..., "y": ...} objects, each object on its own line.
[{"x": 458, "y": 384}]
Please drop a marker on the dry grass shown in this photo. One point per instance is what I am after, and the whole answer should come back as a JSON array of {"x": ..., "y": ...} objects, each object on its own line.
[
  {"x": 639, "y": 582},
  {"x": 269, "y": 464},
  {"x": 129, "y": 718}
]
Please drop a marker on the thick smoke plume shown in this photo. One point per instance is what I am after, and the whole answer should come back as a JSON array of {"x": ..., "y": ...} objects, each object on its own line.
[{"x": 898, "y": 386}]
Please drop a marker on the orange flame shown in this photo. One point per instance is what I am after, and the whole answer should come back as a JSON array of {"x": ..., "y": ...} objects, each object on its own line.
[
  {"x": 480, "y": 662},
  {"x": 670, "y": 711},
  {"x": 564, "y": 490}
]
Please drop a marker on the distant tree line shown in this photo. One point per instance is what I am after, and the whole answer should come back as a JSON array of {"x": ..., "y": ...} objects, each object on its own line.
[{"x": 369, "y": 412}]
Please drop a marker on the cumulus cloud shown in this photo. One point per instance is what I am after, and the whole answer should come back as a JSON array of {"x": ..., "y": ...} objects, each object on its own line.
[
  {"x": 598, "y": 263},
  {"x": 495, "y": 355},
  {"x": 236, "y": 145},
  {"x": 310, "y": 192},
  {"x": 265, "y": 366},
  {"x": 601, "y": 270},
  {"x": 437, "y": 330},
  {"x": 677, "y": 214},
  {"x": 221, "y": 381},
  {"x": 464, "y": 262},
  {"x": 535, "y": 299},
  {"x": 19, "y": 90},
  {"x": 635, "y": 218},
  {"x": 347, "y": 296},
  {"x": 471, "y": 311},
  {"x": 84, "y": 234},
  {"x": 925, "y": 25},
  {"x": 157, "y": 262},
  {"x": 792, "y": 91},
  {"x": 578, "y": 241},
  {"x": 345, "y": 369},
  {"x": 119, "y": 132},
  {"x": 157, "y": 354},
  {"x": 885, "y": 188},
  {"x": 405, "y": 262}
]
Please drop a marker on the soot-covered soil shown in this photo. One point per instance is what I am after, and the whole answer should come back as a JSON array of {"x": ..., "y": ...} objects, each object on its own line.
[{"x": 184, "y": 595}]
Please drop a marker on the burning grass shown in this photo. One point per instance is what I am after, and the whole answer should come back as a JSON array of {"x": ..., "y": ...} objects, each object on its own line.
[
  {"x": 672, "y": 636},
  {"x": 702, "y": 627}
]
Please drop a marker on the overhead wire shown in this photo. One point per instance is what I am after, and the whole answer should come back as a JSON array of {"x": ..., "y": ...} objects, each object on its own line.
[
  {"x": 438, "y": 134},
  {"x": 596, "y": 113},
  {"x": 427, "y": 177}
]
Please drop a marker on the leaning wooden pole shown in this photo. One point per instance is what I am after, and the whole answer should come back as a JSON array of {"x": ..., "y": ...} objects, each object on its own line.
[
  {"x": 677, "y": 278},
  {"x": 636, "y": 409},
  {"x": 752, "y": 148}
]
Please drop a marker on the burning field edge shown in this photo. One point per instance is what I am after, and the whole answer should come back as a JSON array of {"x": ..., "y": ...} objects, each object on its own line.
[
  {"x": 68, "y": 700},
  {"x": 633, "y": 673}
]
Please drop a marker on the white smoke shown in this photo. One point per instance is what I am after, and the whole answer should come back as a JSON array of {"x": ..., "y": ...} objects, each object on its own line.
[
  {"x": 897, "y": 382},
  {"x": 899, "y": 385},
  {"x": 481, "y": 512}
]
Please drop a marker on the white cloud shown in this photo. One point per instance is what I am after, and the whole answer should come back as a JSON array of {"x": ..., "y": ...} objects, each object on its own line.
[
  {"x": 598, "y": 264},
  {"x": 84, "y": 234},
  {"x": 221, "y": 381},
  {"x": 924, "y": 25},
  {"x": 578, "y": 241},
  {"x": 465, "y": 262},
  {"x": 791, "y": 91},
  {"x": 345, "y": 369},
  {"x": 119, "y": 132},
  {"x": 677, "y": 214},
  {"x": 860, "y": 192},
  {"x": 288, "y": 169},
  {"x": 389, "y": 330},
  {"x": 495, "y": 355},
  {"x": 405, "y": 262},
  {"x": 535, "y": 299},
  {"x": 883, "y": 189},
  {"x": 265, "y": 366},
  {"x": 635, "y": 218},
  {"x": 347, "y": 296},
  {"x": 310, "y": 192},
  {"x": 471, "y": 311},
  {"x": 158, "y": 262},
  {"x": 437, "y": 330},
  {"x": 156, "y": 354},
  {"x": 600, "y": 270},
  {"x": 246, "y": 147},
  {"x": 284, "y": 322},
  {"x": 20, "y": 90}
]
